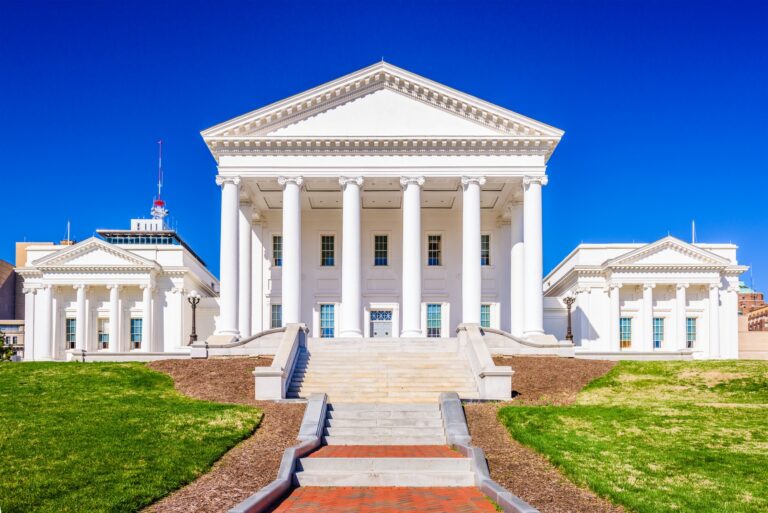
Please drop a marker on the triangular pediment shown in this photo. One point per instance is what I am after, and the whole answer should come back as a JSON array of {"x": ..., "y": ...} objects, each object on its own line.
[
  {"x": 382, "y": 100},
  {"x": 668, "y": 252},
  {"x": 384, "y": 113},
  {"x": 93, "y": 253}
]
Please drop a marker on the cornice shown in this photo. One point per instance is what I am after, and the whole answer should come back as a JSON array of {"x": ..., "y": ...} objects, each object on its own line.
[{"x": 400, "y": 145}]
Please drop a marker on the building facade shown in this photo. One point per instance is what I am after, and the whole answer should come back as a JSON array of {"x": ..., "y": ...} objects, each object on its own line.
[
  {"x": 121, "y": 295},
  {"x": 381, "y": 204},
  {"x": 661, "y": 298}
]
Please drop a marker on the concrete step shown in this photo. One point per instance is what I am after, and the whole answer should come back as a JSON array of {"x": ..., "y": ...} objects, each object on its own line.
[
  {"x": 426, "y": 406},
  {"x": 392, "y": 478},
  {"x": 384, "y": 464},
  {"x": 392, "y": 416},
  {"x": 393, "y": 431},
  {"x": 383, "y": 440},
  {"x": 434, "y": 422}
]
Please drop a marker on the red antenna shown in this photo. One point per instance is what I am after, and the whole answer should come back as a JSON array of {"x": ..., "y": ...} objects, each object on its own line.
[{"x": 159, "y": 201}]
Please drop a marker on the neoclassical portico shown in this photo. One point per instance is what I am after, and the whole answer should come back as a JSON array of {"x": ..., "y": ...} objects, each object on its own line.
[{"x": 432, "y": 196}]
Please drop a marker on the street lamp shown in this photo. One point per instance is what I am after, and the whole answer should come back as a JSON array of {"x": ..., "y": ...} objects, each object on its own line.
[
  {"x": 569, "y": 300},
  {"x": 194, "y": 299}
]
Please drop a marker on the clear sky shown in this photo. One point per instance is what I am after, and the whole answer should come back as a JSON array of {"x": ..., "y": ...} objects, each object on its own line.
[{"x": 664, "y": 104}]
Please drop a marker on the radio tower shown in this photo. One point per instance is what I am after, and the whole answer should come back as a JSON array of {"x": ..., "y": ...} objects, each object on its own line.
[{"x": 158, "y": 207}]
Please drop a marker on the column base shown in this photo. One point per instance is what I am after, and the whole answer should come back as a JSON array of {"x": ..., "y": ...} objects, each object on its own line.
[
  {"x": 411, "y": 334},
  {"x": 350, "y": 334}
]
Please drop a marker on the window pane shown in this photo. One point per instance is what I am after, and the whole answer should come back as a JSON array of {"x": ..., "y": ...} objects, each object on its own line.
[
  {"x": 70, "y": 333},
  {"x": 277, "y": 316},
  {"x": 485, "y": 316},
  {"x": 434, "y": 249},
  {"x": 380, "y": 250},
  {"x": 658, "y": 332},
  {"x": 434, "y": 320},
  {"x": 485, "y": 250},
  {"x": 625, "y": 332},
  {"x": 690, "y": 332},
  {"x": 136, "y": 328},
  {"x": 103, "y": 335},
  {"x": 326, "y": 250},
  {"x": 277, "y": 250},
  {"x": 326, "y": 321}
]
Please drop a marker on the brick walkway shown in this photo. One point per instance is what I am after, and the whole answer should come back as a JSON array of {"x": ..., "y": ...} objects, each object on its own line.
[
  {"x": 384, "y": 500},
  {"x": 386, "y": 451}
]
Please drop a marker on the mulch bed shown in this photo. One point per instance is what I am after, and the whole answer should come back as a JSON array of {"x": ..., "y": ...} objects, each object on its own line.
[
  {"x": 250, "y": 465},
  {"x": 537, "y": 380}
]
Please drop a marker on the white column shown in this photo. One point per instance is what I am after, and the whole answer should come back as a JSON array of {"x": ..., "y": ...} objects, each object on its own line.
[
  {"x": 646, "y": 341},
  {"x": 411, "y": 289},
  {"x": 257, "y": 276},
  {"x": 614, "y": 290},
  {"x": 114, "y": 318},
  {"x": 351, "y": 275},
  {"x": 471, "y": 272},
  {"x": 230, "y": 220},
  {"x": 291, "y": 249},
  {"x": 80, "y": 317},
  {"x": 146, "y": 323},
  {"x": 44, "y": 341},
  {"x": 680, "y": 315},
  {"x": 534, "y": 263},
  {"x": 244, "y": 272},
  {"x": 517, "y": 271},
  {"x": 714, "y": 320},
  {"x": 29, "y": 324}
]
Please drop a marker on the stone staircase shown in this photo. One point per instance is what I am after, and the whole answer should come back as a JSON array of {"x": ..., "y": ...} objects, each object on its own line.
[
  {"x": 382, "y": 370},
  {"x": 384, "y": 444}
]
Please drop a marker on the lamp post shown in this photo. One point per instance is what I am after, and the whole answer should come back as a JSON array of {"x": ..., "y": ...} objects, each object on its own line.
[
  {"x": 194, "y": 299},
  {"x": 569, "y": 303}
]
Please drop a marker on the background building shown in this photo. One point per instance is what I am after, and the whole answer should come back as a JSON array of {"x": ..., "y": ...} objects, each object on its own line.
[{"x": 749, "y": 299}]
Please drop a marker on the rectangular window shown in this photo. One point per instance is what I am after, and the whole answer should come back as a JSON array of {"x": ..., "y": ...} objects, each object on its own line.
[
  {"x": 103, "y": 333},
  {"x": 326, "y": 321},
  {"x": 485, "y": 316},
  {"x": 658, "y": 332},
  {"x": 485, "y": 250},
  {"x": 70, "y": 333},
  {"x": 326, "y": 250},
  {"x": 434, "y": 250},
  {"x": 276, "y": 317},
  {"x": 136, "y": 329},
  {"x": 380, "y": 250},
  {"x": 625, "y": 332},
  {"x": 277, "y": 250},
  {"x": 434, "y": 320},
  {"x": 690, "y": 332}
]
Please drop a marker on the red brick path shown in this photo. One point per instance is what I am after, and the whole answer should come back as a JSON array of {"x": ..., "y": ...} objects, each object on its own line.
[
  {"x": 384, "y": 500},
  {"x": 386, "y": 451}
]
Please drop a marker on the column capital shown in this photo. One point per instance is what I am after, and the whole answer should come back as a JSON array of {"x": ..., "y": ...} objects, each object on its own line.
[
  {"x": 416, "y": 180},
  {"x": 285, "y": 180},
  {"x": 683, "y": 286},
  {"x": 347, "y": 180},
  {"x": 714, "y": 286},
  {"x": 112, "y": 286},
  {"x": 649, "y": 286},
  {"x": 29, "y": 290},
  {"x": 538, "y": 179},
  {"x": 149, "y": 286},
  {"x": 221, "y": 180},
  {"x": 179, "y": 290},
  {"x": 472, "y": 180},
  {"x": 733, "y": 288},
  {"x": 80, "y": 286}
]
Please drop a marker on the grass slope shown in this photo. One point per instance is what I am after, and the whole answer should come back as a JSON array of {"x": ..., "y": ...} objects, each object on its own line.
[
  {"x": 104, "y": 437},
  {"x": 662, "y": 436}
]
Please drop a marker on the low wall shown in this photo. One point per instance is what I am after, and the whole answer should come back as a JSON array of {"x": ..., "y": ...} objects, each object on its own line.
[{"x": 753, "y": 345}]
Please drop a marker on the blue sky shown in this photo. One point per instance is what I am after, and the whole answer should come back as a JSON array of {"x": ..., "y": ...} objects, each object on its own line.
[{"x": 664, "y": 104}]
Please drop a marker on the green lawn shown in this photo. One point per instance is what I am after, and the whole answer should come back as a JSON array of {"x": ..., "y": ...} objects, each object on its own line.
[
  {"x": 662, "y": 436},
  {"x": 104, "y": 437}
]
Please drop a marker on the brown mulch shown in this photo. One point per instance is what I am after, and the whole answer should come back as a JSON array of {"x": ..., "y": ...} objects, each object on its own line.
[
  {"x": 537, "y": 380},
  {"x": 250, "y": 465}
]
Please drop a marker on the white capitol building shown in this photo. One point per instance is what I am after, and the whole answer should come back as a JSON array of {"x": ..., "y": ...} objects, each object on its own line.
[{"x": 380, "y": 204}]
